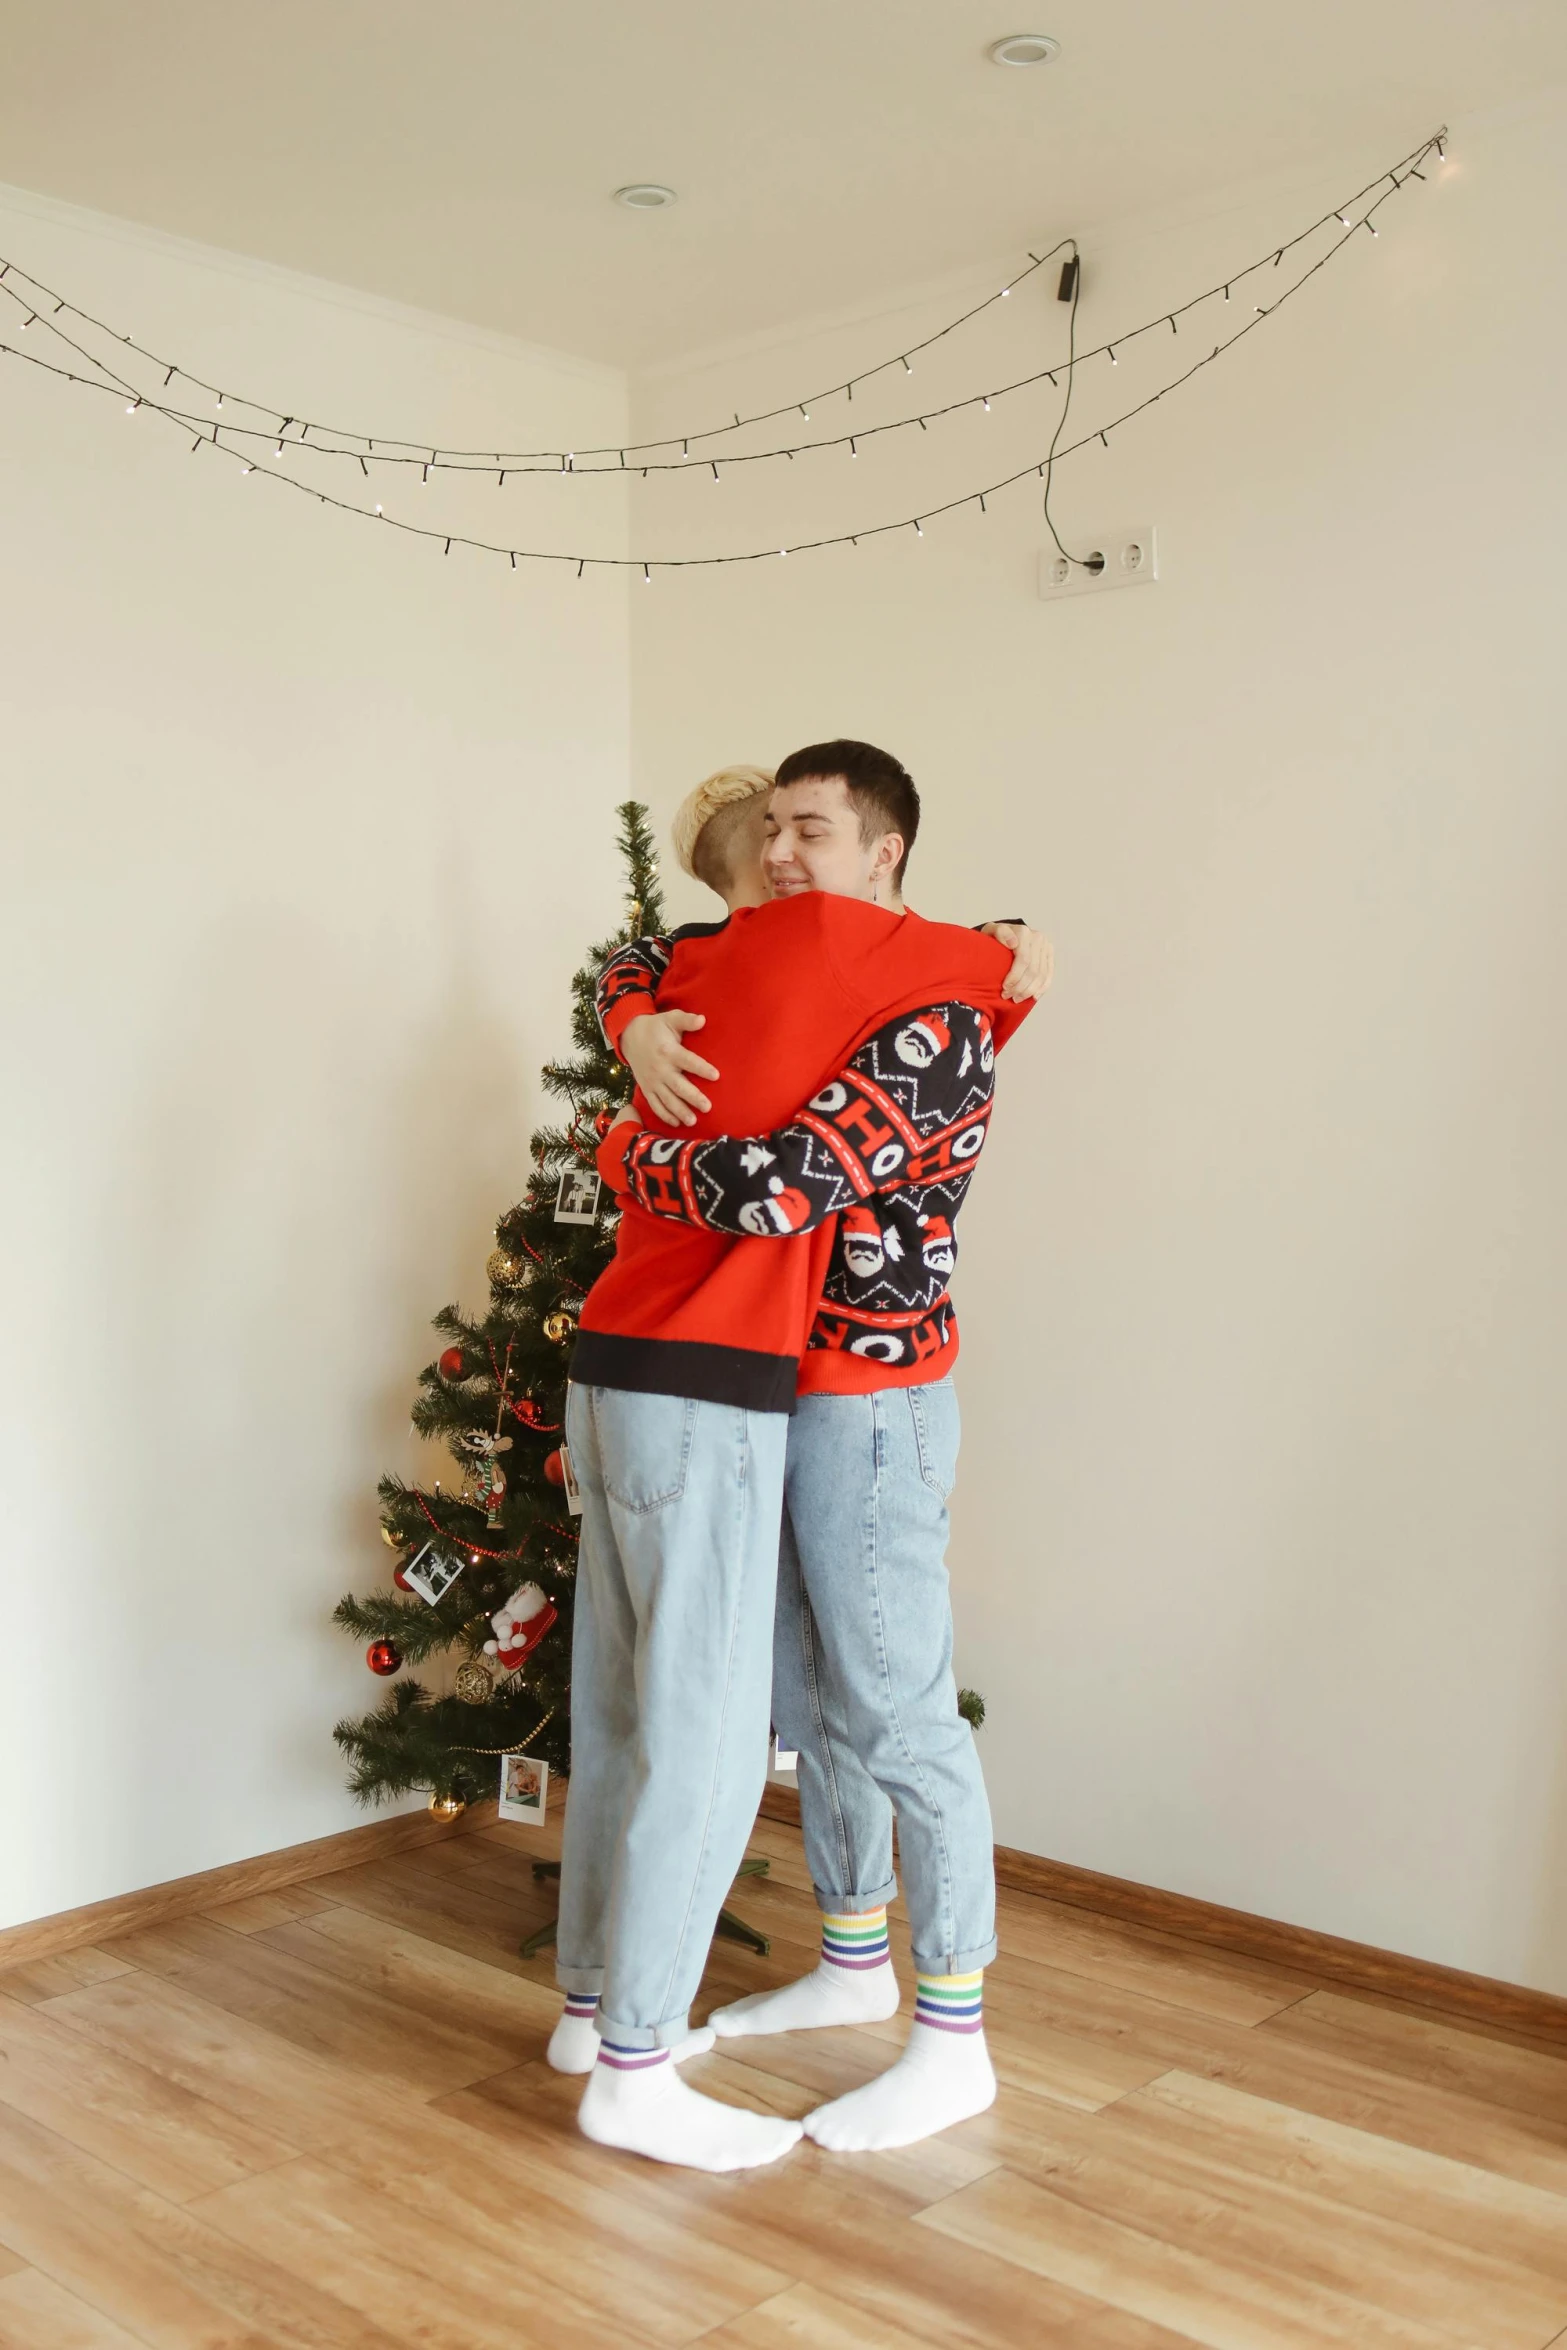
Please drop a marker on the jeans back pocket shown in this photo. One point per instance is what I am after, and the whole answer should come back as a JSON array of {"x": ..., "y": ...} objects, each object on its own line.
[
  {"x": 937, "y": 1429},
  {"x": 644, "y": 1446}
]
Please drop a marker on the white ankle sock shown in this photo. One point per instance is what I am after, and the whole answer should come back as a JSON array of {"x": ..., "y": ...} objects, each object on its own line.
[
  {"x": 853, "y": 1984},
  {"x": 943, "y": 2076},
  {"x": 637, "y": 2101},
  {"x": 574, "y": 2043}
]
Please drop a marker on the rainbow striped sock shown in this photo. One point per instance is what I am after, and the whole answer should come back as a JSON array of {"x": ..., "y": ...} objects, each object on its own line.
[
  {"x": 856, "y": 1942},
  {"x": 631, "y": 2060},
  {"x": 584, "y": 2005},
  {"x": 950, "y": 2003}
]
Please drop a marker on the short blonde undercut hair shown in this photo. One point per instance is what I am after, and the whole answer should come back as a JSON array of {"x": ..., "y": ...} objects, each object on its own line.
[{"x": 728, "y": 788}]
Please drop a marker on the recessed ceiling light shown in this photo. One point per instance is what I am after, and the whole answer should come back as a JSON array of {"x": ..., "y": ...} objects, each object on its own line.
[
  {"x": 644, "y": 196},
  {"x": 1024, "y": 49}
]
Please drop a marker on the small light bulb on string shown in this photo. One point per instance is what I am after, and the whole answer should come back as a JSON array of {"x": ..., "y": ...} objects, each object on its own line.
[
  {"x": 985, "y": 404},
  {"x": 1342, "y": 218},
  {"x": 424, "y": 475},
  {"x": 1110, "y": 347},
  {"x": 647, "y": 576},
  {"x": 853, "y": 451},
  {"x": 712, "y": 462},
  {"x": 1005, "y": 291},
  {"x": 1226, "y": 293},
  {"x": 380, "y": 509},
  {"x": 919, "y": 530},
  {"x": 219, "y": 401},
  {"x": 805, "y": 412},
  {"x": 907, "y": 366},
  {"x": 1441, "y": 145},
  {"x": 1372, "y": 226},
  {"x": 685, "y": 451},
  {"x": 251, "y": 469},
  {"x": 131, "y": 407},
  {"x": 278, "y": 451},
  {"x": 27, "y": 322}
]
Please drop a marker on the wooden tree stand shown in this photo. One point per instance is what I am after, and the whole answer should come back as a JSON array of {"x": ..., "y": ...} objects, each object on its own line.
[{"x": 732, "y": 1929}]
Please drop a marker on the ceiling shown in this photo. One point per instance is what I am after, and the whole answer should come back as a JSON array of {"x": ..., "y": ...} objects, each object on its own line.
[{"x": 461, "y": 157}]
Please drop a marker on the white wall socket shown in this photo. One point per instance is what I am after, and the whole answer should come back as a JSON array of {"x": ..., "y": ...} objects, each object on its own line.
[{"x": 1127, "y": 558}]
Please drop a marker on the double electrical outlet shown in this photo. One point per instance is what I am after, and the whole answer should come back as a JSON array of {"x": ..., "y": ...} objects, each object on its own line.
[{"x": 1110, "y": 559}]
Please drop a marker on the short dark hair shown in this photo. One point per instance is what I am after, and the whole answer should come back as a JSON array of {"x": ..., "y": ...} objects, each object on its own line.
[{"x": 879, "y": 786}]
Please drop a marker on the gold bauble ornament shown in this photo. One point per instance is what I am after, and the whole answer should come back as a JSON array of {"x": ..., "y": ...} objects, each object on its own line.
[
  {"x": 558, "y": 1327},
  {"x": 504, "y": 1270},
  {"x": 447, "y": 1807},
  {"x": 473, "y": 1683},
  {"x": 390, "y": 1539}
]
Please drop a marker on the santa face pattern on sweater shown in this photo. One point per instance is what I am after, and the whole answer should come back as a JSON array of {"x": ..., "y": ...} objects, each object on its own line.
[{"x": 888, "y": 1146}]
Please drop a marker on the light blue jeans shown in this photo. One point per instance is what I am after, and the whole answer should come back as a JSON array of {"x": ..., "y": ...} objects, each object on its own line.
[
  {"x": 862, "y": 1674},
  {"x": 671, "y": 1666}
]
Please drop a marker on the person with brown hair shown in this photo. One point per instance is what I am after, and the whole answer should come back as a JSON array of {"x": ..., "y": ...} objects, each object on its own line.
[{"x": 863, "y": 1686}]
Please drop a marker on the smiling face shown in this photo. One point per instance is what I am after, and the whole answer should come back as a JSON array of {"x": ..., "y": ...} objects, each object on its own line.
[{"x": 814, "y": 840}]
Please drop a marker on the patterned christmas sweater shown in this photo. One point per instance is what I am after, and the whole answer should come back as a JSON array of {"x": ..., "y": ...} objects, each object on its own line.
[{"x": 887, "y": 1147}]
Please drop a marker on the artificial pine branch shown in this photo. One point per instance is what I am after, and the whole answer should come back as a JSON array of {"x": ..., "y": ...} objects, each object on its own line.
[{"x": 414, "y": 1738}]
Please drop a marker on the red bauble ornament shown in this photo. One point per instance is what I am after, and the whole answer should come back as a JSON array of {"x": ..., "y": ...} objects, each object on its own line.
[
  {"x": 450, "y": 1364},
  {"x": 401, "y": 1580},
  {"x": 603, "y": 1122},
  {"x": 529, "y": 1413},
  {"x": 555, "y": 1467},
  {"x": 384, "y": 1656}
]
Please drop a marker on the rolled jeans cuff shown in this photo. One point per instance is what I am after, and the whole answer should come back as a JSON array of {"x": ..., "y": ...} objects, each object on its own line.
[
  {"x": 956, "y": 1962},
  {"x": 665, "y": 2035},
  {"x": 584, "y": 1979},
  {"x": 855, "y": 1905}
]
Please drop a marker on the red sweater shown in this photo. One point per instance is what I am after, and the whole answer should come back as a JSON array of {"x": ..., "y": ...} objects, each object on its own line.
[{"x": 788, "y": 991}]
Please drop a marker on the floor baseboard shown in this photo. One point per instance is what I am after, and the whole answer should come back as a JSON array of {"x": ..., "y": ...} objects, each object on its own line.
[
  {"x": 124, "y": 1913},
  {"x": 1357, "y": 1965}
]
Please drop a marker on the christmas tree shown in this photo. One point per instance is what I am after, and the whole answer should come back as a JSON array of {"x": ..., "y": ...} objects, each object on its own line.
[{"x": 496, "y": 1398}]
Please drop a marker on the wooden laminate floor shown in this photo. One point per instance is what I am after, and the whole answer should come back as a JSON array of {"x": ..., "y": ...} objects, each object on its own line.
[{"x": 320, "y": 2120}]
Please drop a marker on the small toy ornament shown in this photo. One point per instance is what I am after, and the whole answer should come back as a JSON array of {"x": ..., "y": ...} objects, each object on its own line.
[
  {"x": 384, "y": 1657},
  {"x": 450, "y": 1364},
  {"x": 478, "y": 1446},
  {"x": 519, "y": 1626}
]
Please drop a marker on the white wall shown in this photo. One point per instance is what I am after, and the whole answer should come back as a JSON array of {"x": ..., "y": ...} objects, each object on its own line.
[
  {"x": 304, "y": 829},
  {"x": 1260, "y": 1539}
]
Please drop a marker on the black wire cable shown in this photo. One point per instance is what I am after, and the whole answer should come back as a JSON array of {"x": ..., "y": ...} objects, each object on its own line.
[
  {"x": 1066, "y": 405},
  {"x": 206, "y": 437}
]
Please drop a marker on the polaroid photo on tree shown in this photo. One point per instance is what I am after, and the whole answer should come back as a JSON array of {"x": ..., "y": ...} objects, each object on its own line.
[
  {"x": 524, "y": 1782},
  {"x": 569, "y": 1485},
  {"x": 577, "y": 1200},
  {"x": 431, "y": 1573}
]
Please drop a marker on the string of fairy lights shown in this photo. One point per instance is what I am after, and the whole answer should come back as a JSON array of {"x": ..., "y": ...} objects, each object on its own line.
[{"x": 239, "y": 441}]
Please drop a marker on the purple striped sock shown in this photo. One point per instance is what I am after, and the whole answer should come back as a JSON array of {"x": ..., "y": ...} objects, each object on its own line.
[
  {"x": 582, "y": 2003},
  {"x": 631, "y": 2060}
]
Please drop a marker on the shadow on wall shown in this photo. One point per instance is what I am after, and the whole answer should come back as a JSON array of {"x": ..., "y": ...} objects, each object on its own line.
[{"x": 313, "y": 1166}]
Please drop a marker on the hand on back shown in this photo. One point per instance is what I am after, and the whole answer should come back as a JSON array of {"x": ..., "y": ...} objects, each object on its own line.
[
  {"x": 664, "y": 1067},
  {"x": 1033, "y": 959}
]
